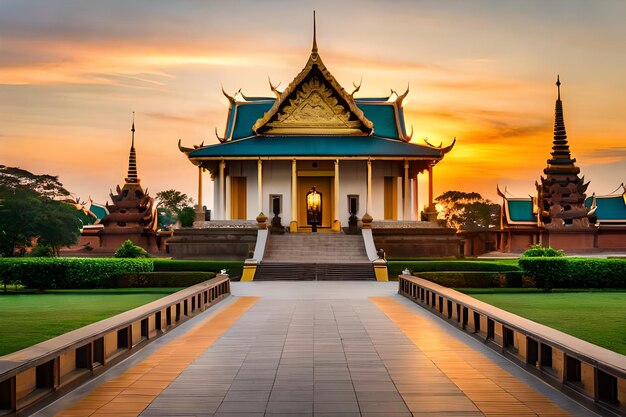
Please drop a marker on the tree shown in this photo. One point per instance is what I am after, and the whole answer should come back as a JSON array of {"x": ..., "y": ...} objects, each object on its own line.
[
  {"x": 171, "y": 203},
  {"x": 57, "y": 224},
  {"x": 44, "y": 185},
  {"x": 467, "y": 211},
  {"x": 26, "y": 216},
  {"x": 187, "y": 216}
]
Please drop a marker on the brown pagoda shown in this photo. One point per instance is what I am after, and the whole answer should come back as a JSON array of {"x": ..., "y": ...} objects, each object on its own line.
[
  {"x": 132, "y": 210},
  {"x": 561, "y": 195}
]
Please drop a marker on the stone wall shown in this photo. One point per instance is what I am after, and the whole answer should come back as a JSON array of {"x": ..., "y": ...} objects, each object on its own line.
[
  {"x": 415, "y": 239},
  {"x": 213, "y": 243}
]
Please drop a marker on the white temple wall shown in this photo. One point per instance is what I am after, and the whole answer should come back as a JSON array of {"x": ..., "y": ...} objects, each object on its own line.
[
  {"x": 276, "y": 180},
  {"x": 352, "y": 180}
]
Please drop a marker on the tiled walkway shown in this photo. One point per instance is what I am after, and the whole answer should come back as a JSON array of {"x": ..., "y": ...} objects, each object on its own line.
[{"x": 327, "y": 349}]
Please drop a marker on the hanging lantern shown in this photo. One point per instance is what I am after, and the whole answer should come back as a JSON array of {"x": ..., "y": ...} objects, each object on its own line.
[{"x": 313, "y": 200}]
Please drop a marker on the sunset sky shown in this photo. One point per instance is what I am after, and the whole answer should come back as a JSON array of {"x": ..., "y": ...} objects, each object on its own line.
[{"x": 72, "y": 73}]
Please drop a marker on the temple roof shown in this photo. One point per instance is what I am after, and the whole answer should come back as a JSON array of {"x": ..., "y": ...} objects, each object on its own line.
[
  {"x": 609, "y": 208},
  {"x": 520, "y": 211},
  {"x": 386, "y": 116},
  {"x": 315, "y": 116},
  {"x": 346, "y": 146}
]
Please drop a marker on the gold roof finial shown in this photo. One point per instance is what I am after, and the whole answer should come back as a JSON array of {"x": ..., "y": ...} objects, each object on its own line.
[
  {"x": 314, "y": 49},
  {"x": 558, "y": 85}
]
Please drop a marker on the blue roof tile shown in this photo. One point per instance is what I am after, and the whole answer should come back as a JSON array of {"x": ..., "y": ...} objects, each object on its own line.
[{"x": 315, "y": 146}]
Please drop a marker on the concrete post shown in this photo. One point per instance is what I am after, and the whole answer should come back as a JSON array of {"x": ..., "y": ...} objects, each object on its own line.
[{"x": 199, "y": 209}]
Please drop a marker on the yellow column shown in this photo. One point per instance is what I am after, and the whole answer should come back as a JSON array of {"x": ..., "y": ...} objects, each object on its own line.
[
  {"x": 260, "y": 184},
  {"x": 430, "y": 186},
  {"x": 369, "y": 187},
  {"x": 222, "y": 201},
  {"x": 200, "y": 210},
  {"x": 406, "y": 193},
  {"x": 416, "y": 207},
  {"x": 293, "y": 226},
  {"x": 336, "y": 223},
  {"x": 227, "y": 198}
]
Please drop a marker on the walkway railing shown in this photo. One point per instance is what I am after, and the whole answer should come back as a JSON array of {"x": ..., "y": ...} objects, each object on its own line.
[
  {"x": 32, "y": 376},
  {"x": 581, "y": 369}
]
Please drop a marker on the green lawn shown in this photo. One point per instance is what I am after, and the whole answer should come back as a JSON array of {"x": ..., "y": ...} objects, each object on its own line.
[
  {"x": 27, "y": 319},
  {"x": 598, "y": 317}
]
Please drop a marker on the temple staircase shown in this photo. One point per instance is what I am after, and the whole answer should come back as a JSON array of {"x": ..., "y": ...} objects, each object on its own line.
[{"x": 315, "y": 256}]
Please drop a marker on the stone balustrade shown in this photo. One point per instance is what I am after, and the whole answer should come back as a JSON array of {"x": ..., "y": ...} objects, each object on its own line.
[
  {"x": 33, "y": 376},
  {"x": 587, "y": 372}
]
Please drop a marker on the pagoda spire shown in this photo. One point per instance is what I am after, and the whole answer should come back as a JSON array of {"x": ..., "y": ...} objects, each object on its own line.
[
  {"x": 132, "y": 158},
  {"x": 560, "y": 147},
  {"x": 314, "y": 47}
]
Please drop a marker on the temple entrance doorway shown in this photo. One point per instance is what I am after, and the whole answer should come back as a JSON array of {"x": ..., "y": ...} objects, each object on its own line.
[{"x": 324, "y": 186}]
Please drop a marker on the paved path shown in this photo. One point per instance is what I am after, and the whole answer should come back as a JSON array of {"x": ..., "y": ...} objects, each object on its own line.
[{"x": 316, "y": 349}]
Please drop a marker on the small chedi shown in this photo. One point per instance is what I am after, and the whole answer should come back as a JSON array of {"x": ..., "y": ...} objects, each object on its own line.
[
  {"x": 561, "y": 215},
  {"x": 561, "y": 194},
  {"x": 131, "y": 215}
]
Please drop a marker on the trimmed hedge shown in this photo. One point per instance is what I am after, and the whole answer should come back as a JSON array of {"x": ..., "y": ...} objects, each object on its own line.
[
  {"x": 163, "y": 279},
  {"x": 457, "y": 279},
  {"x": 233, "y": 268},
  {"x": 68, "y": 273},
  {"x": 395, "y": 268},
  {"x": 550, "y": 273}
]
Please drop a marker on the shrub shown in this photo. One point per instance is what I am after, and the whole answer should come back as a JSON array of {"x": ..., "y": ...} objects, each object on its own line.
[
  {"x": 396, "y": 267},
  {"x": 69, "y": 273},
  {"x": 186, "y": 217},
  {"x": 43, "y": 251},
  {"x": 129, "y": 250},
  {"x": 550, "y": 273},
  {"x": 163, "y": 279},
  {"x": 460, "y": 279},
  {"x": 233, "y": 268},
  {"x": 538, "y": 251}
]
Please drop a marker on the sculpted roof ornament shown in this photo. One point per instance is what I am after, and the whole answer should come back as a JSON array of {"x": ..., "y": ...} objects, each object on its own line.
[{"x": 314, "y": 103}]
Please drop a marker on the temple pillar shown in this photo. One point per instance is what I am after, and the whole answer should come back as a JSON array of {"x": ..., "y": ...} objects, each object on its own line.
[
  {"x": 406, "y": 193},
  {"x": 336, "y": 223},
  {"x": 199, "y": 210},
  {"x": 430, "y": 186},
  {"x": 369, "y": 187},
  {"x": 227, "y": 198},
  {"x": 260, "y": 185},
  {"x": 430, "y": 211},
  {"x": 416, "y": 206},
  {"x": 293, "y": 225},
  {"x": 222, "y": 197}
]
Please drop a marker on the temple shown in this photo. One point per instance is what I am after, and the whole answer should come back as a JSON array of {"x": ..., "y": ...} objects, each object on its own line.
[
  {"x": 561, "y": 215},
  {"x": 353, "y": 153},
  {"x": 130, "y": 216}
]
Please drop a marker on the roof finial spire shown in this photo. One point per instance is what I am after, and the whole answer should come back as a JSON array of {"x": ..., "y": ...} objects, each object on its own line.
[
  {"x": 132, "y": 129},
  {"x": 558, "y": 85},
  {"x": 314, "y": 49},
  {"x": 132, "y": 177}
]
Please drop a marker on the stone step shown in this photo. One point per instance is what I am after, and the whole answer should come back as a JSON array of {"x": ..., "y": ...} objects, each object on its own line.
[
  {"x": 315, "y": 248},
  {"x": 293, "y": 271}
]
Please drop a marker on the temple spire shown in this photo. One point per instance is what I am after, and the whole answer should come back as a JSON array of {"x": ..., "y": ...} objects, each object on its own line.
[
  {"x": 314, "y": 48},
  {"x": 560, "y": 147},
  {"x": 132, "y": 158}
]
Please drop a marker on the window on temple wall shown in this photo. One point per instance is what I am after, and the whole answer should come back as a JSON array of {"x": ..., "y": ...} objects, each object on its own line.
[
  {"x": 391, "y": 198},
  {"x": 238, "y": 203}
]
